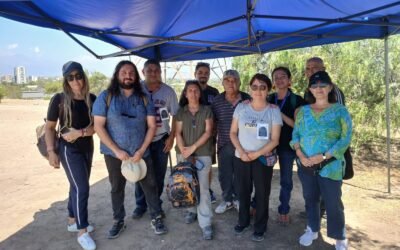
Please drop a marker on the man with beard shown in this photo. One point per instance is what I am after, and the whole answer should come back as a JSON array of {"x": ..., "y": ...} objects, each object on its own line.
[
  {"x": 124, "y": 120},
  {"x": 166, "y": 104},
  {"x": 202, "y": 74}
]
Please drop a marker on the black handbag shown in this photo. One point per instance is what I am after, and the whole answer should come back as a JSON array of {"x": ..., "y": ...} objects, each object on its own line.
[{"x": 348, "y": 171}]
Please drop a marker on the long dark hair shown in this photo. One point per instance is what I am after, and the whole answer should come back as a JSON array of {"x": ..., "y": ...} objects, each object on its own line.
[
  {"x": 183, "y": 101},
  {"x": 114, "y": 88}
]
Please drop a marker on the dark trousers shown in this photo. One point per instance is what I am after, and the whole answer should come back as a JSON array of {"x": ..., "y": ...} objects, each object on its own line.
[
  {"x": 77, "y": 166},
  {"x": 160, "y": 161},
  {"x": 227, "y": 173},
  {"x": 315, "y": 187},
  {"x": 254, "y": 172},
  {"x": 118, "y": 182},
  {"x": 286, "y": 159}
]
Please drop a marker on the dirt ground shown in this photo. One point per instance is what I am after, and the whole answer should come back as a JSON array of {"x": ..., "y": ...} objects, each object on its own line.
[{"x": 33, "y": 202}]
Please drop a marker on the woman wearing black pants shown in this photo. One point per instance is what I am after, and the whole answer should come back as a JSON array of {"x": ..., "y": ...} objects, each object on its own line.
[{"x": 255, "y": 133}]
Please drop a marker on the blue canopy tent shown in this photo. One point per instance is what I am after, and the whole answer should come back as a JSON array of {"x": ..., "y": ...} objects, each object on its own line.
[{"x": 202, "y": 29}]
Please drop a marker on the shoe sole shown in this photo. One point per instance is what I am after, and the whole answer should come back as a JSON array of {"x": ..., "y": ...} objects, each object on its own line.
[
  {"x": 158, "y": 232},
  {"x": 243, "y": 231},
  {"x": 226, "y": 209},
  {"x": 117, "y": 235},
  {"x": 257, "y": 239},
  {"x": 77, "y": 230}
]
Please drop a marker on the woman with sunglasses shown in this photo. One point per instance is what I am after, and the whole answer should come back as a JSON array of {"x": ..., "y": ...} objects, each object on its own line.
[
  {"x": 321, "y": 135},
  {"x": 255, "y": 133},
  {"x": 72, "y": 109},
  {"x": 194, "y": 125}
]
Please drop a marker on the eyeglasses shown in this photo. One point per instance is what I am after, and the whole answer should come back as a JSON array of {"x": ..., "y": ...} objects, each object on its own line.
[
  {"x": 77, "y": 77},
  {"x": 321, "y": 85},
  {"x": 258, "y": 87}
]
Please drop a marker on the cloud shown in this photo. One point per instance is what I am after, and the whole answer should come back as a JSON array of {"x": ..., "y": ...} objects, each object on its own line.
[
  {"x": 36, "y": 49},
  {"x": 12, "y": 46}
]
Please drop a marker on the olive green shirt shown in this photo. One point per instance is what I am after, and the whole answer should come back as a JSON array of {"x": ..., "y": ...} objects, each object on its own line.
[{"x": 193, "y": 127}]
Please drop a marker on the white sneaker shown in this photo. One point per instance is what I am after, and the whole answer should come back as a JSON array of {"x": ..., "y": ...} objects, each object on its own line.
[
  {"x": 86, "y": 242},
  {"x": 236, "y": 205},
  {"x": 223, "y": 206},
  {"x": 307, "y": 238},
  {"x": 341, "y": 245},
  {"x": 73, "y": 228}
]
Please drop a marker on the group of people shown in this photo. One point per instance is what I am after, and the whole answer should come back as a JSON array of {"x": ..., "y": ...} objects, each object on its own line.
[{"x": 248, "y": 132}]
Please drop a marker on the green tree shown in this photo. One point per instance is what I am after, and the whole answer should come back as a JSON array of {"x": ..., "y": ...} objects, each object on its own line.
[
  {"x": 98, "y": 82},
  {"x": 2, "y": 92},
  {"x": 52, "y": 87},
  {"x": 356, "y": 67}
]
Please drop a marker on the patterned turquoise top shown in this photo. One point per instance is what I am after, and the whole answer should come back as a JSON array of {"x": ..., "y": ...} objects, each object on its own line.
[{"x": 325, "y": 132}]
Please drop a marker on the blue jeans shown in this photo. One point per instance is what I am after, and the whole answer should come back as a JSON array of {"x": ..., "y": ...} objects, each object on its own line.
[
  {"x": 160, "y": 161},
  {"x": 313, "y": 188},
  {"x": 286, "y": 159}
]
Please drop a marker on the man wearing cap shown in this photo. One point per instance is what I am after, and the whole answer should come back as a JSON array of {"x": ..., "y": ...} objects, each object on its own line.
[
  {"x": 166, "y": 105},
  {"x": 124, "y": 119},
  {"x": 202, "y": 74},
  {"x": 223, "y": 107}
]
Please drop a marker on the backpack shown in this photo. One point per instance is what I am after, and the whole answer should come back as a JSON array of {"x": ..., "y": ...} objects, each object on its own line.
[
  {"x": 183, "y": 187},
  {"x": 40, "y": 133}
]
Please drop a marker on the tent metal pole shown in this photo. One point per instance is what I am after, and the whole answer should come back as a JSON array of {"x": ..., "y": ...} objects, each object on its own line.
[
  {"x": 165, "y": 72},
  {"x": 387, "y": 111}
]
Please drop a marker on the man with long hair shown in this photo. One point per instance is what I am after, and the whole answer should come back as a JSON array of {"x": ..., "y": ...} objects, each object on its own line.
[{"x": 124, "y": 119}]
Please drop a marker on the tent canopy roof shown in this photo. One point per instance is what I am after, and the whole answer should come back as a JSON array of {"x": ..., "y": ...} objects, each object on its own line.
[{"x": 202, "y": 29}]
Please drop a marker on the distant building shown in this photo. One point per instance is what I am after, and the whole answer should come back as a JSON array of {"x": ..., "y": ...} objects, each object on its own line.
[
  {"x": 19, "y": 75},
  {"x": 6, "y": 78},
  {"x": 32, "y": 79}
]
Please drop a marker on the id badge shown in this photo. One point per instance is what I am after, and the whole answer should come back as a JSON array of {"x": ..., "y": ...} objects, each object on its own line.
[
  {"x": 262, "y": 131},
  {"x": 164, "y": 115}
]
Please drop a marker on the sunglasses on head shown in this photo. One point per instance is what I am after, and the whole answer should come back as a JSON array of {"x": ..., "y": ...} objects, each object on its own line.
[
  {"x": 319, "y": 85},
  {"x": 258, "y": 87},
  {"x": 77, "y": 76}
]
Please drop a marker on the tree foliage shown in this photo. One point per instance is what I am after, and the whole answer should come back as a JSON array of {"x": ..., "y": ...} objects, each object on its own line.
[
  {"x": 2, "y": 92},
  {"x": 356, "y": 67},
  {"x": 98, "y": 82}
]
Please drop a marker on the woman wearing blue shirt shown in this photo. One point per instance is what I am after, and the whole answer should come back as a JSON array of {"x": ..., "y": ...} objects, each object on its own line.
[{"x": 321, "y": 135}]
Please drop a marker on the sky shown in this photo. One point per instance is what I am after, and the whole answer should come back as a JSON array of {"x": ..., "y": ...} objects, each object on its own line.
[{"x": 43, "y": 51}]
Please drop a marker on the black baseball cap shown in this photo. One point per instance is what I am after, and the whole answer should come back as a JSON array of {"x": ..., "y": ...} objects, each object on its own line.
[
  {"x": 71, "y": 66},
  {"x": 320, "y": 76}
]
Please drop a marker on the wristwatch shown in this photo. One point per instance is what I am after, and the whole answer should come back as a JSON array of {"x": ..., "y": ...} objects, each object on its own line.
[{"x": 323, "y": 156}]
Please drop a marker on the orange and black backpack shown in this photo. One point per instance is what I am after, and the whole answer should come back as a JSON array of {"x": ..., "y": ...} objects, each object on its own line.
[{"x": 183, "y": 188}]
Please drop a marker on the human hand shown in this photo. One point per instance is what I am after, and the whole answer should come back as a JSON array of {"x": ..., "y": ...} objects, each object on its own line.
[
  {"x": 54, "y": 161},
  {"x": 71, "y": 135},
  {"x": 169, "y": 143},
  {"x": 121, "y": 155},
  {"x": 137, "y": 156},
  {"x": 316, "y": 159},
  {"x": 306, "y": 162},
  {"x": 253, "y": 155},
  {"x": 188, "y": 151}
]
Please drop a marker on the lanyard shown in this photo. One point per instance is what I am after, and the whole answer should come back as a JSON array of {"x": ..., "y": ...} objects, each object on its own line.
[{"x": 283, "y": 101}]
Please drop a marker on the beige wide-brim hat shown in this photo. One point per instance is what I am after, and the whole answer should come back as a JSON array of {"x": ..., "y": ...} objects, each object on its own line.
[{"x": 134, "y": 171}]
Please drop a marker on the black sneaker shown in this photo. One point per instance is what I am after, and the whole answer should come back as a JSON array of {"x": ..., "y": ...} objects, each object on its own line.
[
  {"x": 138, "y": 213},
  {"x": 116, "y": 230},
  {"x": 257, "y": 236},
  {"x": 158, "y": 226},
  {"x": 240, "y": 229}
]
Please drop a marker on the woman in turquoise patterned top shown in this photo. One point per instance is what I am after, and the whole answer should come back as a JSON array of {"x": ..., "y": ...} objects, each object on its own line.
[{"x": 321, "y": 135}]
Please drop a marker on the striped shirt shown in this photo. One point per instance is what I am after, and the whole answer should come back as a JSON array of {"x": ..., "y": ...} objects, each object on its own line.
[{"x": 223, "y": 115}]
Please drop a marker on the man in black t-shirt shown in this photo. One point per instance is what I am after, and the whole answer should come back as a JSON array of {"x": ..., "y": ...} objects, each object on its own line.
[{"x": 202, "y": 74}]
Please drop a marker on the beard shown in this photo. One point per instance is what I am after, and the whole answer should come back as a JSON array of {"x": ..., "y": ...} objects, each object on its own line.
[
  {"x": 126, "y": 84},
  {"x": 203, "y": 80}
]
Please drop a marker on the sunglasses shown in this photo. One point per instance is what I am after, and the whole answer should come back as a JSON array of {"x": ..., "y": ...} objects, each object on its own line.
[
  {"x": 77, "y": 77},
  {"x": 319, "y": 85},
  {"x": 258, "y": 87}
]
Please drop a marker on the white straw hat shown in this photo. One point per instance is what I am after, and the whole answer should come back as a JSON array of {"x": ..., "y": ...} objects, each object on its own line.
[{"x": 134, "y": 171}]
